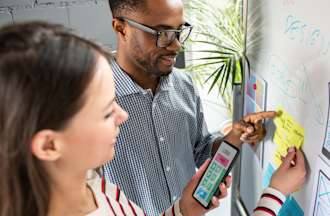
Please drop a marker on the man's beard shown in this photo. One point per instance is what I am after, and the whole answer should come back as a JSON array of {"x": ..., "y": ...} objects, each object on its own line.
[{"x": 153, "y": 69}]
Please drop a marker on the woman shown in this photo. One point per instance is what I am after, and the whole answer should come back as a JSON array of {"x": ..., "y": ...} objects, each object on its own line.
[{"x": 59, "y": 119}]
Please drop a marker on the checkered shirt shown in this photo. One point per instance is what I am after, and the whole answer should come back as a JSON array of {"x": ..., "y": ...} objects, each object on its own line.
[{"x": 164, "y": 139}]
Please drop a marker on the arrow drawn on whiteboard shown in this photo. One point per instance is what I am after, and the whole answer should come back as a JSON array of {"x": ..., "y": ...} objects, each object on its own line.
[{"x": 317, "y": 107}]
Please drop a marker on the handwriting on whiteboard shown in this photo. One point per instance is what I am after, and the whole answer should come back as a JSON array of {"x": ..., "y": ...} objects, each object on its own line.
[
  {"x": 295, "y": 88},
  {"x": 289, "y": 2},
  {"x": 299, "y": 31}
]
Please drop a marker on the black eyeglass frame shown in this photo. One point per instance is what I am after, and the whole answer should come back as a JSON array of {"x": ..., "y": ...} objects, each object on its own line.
[{"x": 157, "y": 33}]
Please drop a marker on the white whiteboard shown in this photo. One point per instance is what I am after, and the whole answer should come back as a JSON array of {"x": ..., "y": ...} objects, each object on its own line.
[{"x": 289, "y": 47}]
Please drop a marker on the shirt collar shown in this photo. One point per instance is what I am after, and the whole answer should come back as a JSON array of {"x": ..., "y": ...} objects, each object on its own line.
[{"x": 126, "y": 86}]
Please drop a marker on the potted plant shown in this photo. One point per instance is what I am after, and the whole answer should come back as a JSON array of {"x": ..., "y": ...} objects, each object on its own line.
[{"x": 216, "y": 48}]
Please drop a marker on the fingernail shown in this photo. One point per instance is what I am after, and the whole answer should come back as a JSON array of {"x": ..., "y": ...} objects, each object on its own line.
[{"x": 291, "y": 149}]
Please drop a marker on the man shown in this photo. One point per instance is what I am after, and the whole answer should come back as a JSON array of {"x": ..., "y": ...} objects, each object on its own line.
[{"x": 165, "y": 137}]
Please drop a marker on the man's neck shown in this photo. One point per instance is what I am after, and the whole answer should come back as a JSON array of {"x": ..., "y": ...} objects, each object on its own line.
[{"x": 138, "y": 74}]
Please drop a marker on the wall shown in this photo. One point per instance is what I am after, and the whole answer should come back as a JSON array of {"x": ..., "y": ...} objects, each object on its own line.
[{"x": 91, "y": 18}]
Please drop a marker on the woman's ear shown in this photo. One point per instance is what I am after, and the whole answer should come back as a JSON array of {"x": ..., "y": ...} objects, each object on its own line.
[{"x": 45, "y": 146}]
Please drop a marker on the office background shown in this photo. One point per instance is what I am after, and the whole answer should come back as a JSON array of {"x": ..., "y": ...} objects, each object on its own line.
[{"x": 92, "y": 18}]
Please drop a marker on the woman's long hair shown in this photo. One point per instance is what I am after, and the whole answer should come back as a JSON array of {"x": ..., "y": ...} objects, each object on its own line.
[{"x": 44, "y": 72}]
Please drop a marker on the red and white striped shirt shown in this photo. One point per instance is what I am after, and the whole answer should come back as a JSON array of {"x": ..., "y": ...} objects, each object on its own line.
[
  {"x": 111, "y": 201},
  {"x": 270, "y": 203}
]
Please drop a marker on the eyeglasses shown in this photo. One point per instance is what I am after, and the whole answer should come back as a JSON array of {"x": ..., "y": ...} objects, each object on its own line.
[{"x": 164, "y": 37}]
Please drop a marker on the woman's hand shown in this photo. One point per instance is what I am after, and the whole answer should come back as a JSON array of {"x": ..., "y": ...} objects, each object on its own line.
[
  {"x": 189, "y": 206},
  {"x": 290, "y": 176}
]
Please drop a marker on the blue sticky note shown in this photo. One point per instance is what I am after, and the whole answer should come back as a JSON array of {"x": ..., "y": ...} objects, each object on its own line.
[
  {"x": 267, "y": 175},
  {"x": 291, "y": 208}
]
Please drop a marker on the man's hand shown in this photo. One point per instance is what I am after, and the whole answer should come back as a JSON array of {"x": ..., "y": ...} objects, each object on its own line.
[{"x": 250, "y": 129}]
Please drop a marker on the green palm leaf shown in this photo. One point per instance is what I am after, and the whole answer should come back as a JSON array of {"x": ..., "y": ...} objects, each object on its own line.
[{"x": 219, "y": 36}]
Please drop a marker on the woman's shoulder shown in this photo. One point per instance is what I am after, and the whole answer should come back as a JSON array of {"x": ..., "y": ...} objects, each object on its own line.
[{"x": 115, "y": 198}]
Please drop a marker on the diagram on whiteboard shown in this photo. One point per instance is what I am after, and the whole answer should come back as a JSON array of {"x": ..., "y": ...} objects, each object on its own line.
[
  {"x": 322, "y": 202},
  {"x": 321, "y": 190},
  {"x": 326, "y": 144}
]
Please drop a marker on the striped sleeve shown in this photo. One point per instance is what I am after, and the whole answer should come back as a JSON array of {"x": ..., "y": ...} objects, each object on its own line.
[
  {"x": 119, "y": 201},
  {"x": 270, "y": 203},
  {"x": 174, "y": 210}
]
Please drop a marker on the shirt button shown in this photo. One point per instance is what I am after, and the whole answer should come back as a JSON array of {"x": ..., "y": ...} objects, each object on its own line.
[
  {"x": 168, "y": 168},
  {"x": 161, "y": 139},
  {"x": 153, "y": 106},
  {"x": 174, "y": 198}
]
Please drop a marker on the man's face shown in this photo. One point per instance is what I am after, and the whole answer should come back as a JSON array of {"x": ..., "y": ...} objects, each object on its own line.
[{"x": 141, "y": 46}]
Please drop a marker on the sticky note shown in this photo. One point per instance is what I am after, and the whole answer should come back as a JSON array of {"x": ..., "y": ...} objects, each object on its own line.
[
  {"x": 288, "y": 133},
  {"x": 280, "y": 119},
  {"x": 267, "y": 175},
  {"x": 291, "y": 208}
]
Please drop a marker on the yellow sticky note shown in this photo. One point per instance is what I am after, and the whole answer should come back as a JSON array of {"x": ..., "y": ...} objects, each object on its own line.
[
  {"x": 288, "y": 133},
  {"x": 282, "y": 150},
  {"x": 288, "y": 123},
  {"x": 280, "y": 118},
  {"x": 295, "y": 140},
  {"x": 278, "y": 138},
  {"x": 296, "y": 136}
]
